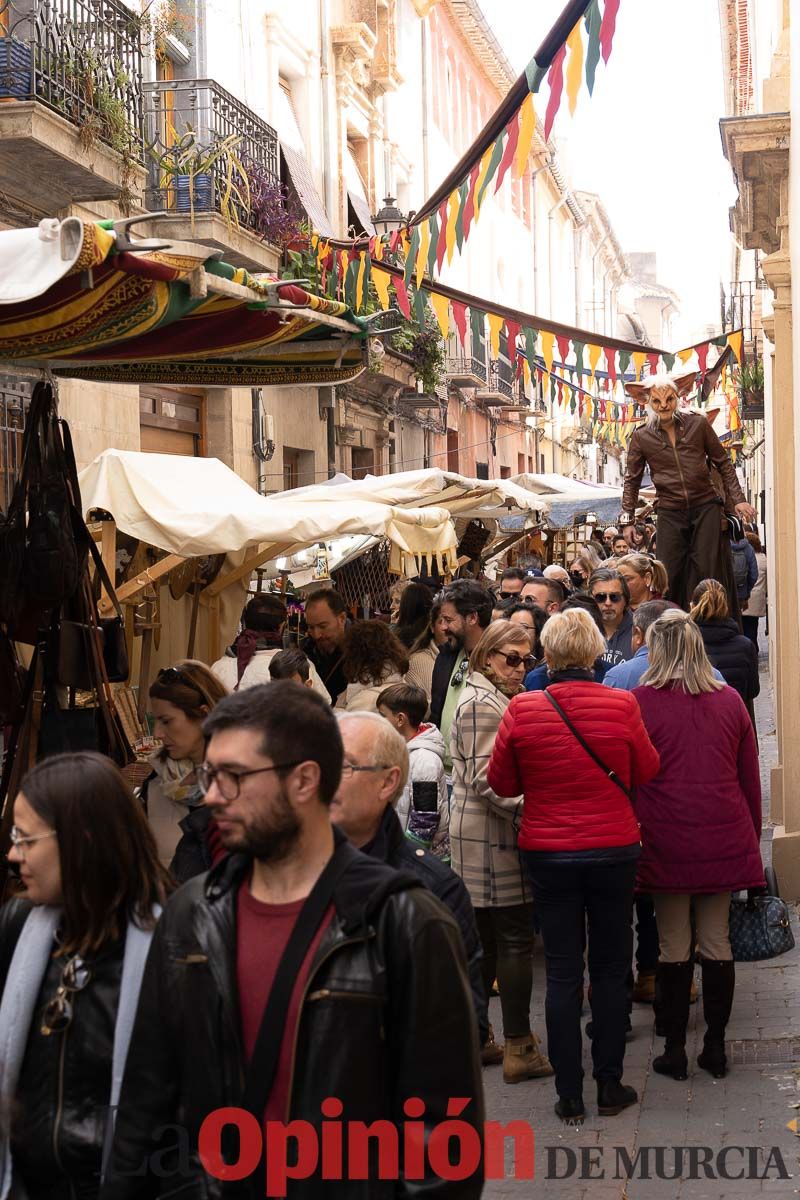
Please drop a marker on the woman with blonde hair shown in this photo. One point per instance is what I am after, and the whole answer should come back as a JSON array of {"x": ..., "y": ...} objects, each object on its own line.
[
  {"x": 733, "y": 654},
  {"x": 575, "y": 751},
  {"x": 646, "y": 578},
  {"x": 701, "y": 825},
  {"x": 483, "y": 841}
]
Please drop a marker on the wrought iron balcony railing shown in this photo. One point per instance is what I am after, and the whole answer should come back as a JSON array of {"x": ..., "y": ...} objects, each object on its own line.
[
  {"x": 468, "y": 369},
  {"x": 503, "y": 380},
  {"x": 81, "y": 58},
  {"x": 208, "y": 152}
]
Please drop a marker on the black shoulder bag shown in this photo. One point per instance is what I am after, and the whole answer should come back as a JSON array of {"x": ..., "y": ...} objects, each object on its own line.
[{"x": 612, "y": 775}]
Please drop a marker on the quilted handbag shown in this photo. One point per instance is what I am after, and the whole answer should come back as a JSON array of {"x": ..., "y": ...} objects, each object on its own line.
[{"x": 759, "y": 928}]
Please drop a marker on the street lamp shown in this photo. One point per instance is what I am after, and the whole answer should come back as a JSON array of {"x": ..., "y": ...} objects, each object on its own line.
[{"x": 389, "y": 219}]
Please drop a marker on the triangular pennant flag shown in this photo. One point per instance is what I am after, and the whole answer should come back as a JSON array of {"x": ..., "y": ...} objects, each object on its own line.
[
  {"x": 608, "y": 27},
  {"x": 624, "y": 361},
  {"x": 530, "y": 336},
  {"x": 548, "y": 342},
  {"x": 411, "y": 256},
  {"x": 494, "y": 163},
  {"x": 574, "y": 73},
  {"x": 477, "y": 327},
  {"x": 526, "y": 373},
  {"x": 562, "y": 341},
  {"x": 462, "y": 203},
  {"x": 433, "y": 243},
  {"x": 653, "y": 361},
  {"x": 460, "y": 320},
  {"x": 361, "y": 280},
  {"x": 593, "y": 23},
  {"x": 556, "y": 82},
  {"x": 351, "y": 283},
  {"x": 534, "y": 75},
  {"x": 702, "y": 356},
  {"x": 495, "y": 325},
  {"x": 401, "y": 292},
  {"x": 512, "y": 132},
  {"x": 441, "y": 306},
  {"x": 578, "y": 347},
  {"x": 379, "y": 248},
  {"x": 527, "y": 129},
  {"x": 420, "y": 307},
  {"x": 611, "y": 366},
  {"x": 685, "y": 355},
  {"x": 483, "y": 169},
  {"x": 594, "y": 353},
  {"x": 512, "y": 332},
  {"x": 422, "y": 252},
  {"x": 469, "y": 206},
  {"x": 381, "y": 279},
  {"x": 639, "y": 359},
  {"x": 735, "y": 341},
  {"x": 441, "y": 248},
  {"x": 452, "y": 216},
  {"x": 669, "y": 361}
]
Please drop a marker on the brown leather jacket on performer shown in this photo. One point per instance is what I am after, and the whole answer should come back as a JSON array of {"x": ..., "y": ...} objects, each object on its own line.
[{"x": 680, "y": 473}]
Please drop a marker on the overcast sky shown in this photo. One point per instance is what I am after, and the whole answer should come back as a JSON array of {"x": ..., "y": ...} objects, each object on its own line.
[{"x": 648, "y": 140}]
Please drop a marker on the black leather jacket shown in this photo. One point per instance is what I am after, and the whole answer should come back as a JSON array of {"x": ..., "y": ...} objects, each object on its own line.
[
  {"x": 64, "y": 1087},
  {"x": 386, "y": 1015},
  {"x": 393, "y": 847}
]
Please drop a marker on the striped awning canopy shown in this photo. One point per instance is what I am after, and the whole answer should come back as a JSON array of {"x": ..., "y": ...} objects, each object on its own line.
[{"x": 88, "y": 302}]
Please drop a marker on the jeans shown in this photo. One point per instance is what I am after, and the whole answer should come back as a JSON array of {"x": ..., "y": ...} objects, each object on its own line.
[
  {"x": 646, "y": 935},
  {"x": 506, "y": 935},
  {"x": 750, "y": 628},
  {"x": 571, "y": 899}
]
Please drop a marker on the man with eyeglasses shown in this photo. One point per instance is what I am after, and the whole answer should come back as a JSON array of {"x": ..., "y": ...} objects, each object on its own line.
[
  {"x": 610, "y": 590},
  {"x": 298, "y": 973}
]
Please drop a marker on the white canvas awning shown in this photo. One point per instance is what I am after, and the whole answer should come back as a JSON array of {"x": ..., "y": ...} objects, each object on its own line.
[{"x": 197, "y": 506}]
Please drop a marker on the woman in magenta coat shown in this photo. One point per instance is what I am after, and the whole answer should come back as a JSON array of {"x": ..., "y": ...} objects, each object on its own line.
[{"x": 701, "y": 826}]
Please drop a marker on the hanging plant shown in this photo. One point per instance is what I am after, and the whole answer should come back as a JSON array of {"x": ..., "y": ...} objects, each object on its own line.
[
  {"x": 274, "y": 214},
  {"x": 425, "y": 348}
]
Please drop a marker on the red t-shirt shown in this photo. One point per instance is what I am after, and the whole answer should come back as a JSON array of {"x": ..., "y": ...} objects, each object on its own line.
[{"x": 262, "y": 935}]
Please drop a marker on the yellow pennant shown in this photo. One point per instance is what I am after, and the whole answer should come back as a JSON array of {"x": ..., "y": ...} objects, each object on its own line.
[
  {"x": 685, "y": 355},
  {"x": 495, "y": 325},
  {"x": 574, "y": 75},
  {"x": 593, "y": 353},
  {"x": 362, "y": 270},
  {"x": 735, "y": 341},
  {"x": 441, "y": 306},
  {"x": 405, "y": 242},
  {"x": 639, "y": 359},
  {"x": 379, "y": 249},
  {"x": 422, "y": 253},
  {"x": 450, "y": 236},
  {"x": 342, "y": 267},
  {"x": 548, "y": 346},
  {"x": 381, "y": 279},
  {"x": 526, "y": 372},
  {"x": 527, "y": 128},
  {"x": 484, "y": 167}
]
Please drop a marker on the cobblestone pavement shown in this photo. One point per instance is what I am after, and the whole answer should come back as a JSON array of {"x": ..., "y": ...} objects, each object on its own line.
[{"x": 748, "y": 1111}]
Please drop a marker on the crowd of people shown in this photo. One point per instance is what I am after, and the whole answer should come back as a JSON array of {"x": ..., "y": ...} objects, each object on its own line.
[{"x": 346, "y": 846}]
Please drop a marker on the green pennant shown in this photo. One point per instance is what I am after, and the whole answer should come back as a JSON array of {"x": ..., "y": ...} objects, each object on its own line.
[
  {"x": 530, "y": 336},
  {"x": 420, "y": 304},
  {"x": 350, "y": 282},
  {"x": 572, "y": 404},
  {"x": 463, "y": 191},
  {"x": 579, "y": 347},
  {"x": 433, "y": 225},
  {"x": 412, "y": 256},
  {"x": 534, "y": 75},
  {"x": 477, "y": 325},
  {"x": 594, "y": 20},
  {"x": 494, "y": 163},
  {"x": 722, "y": 340},
  {"x": 669, "y": 361},
  {"x": 624, "y": 362},
  {"x": 552, "y": 379}
]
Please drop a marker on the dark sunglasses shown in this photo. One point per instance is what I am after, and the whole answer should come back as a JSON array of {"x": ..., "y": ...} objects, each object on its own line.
[
  {"x": 614, "y": 597},
  {"x": 514, "y": 660},
  {"x": 171, "y": 675},
  {"x": 57, "y": 1014}
]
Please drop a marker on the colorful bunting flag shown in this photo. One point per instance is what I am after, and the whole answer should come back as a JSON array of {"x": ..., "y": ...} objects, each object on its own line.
[
  {"x": 460, "y": 320},
  {"x": 512, "y": 140},
  {"x": 574, "y": 73},
  {"x": 555, "y": 79},
  {"x": 608, "y": 27},
  {"x": 495, "y": 326},
  {"x": 381, "y": 280},
  {"x": 527, "y": 129},
  {"x": 441, "y": 307},
  {"x": 594, "y": 22},
  {"x": 736, "y": 343}
]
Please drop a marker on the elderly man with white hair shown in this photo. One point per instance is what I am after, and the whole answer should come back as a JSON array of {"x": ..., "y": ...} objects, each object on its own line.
[
  {"x": 680, "y": 448},
  {"x": 374, "y": 774}
]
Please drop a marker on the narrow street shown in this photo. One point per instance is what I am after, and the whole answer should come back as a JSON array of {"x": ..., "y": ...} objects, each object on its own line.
[{"x": 751, "y": 1107}]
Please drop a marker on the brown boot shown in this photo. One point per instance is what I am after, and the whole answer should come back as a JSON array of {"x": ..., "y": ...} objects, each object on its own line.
[
  {"x": 523, "y": 1059},
  {"x": 491, "y": 1053},
  {"x": 644, "y": 990}
]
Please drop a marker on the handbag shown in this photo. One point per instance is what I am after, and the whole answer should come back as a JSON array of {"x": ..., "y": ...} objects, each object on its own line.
[
  {"x": 759, "y": 927},
  {"x": 612, "y": 775}
]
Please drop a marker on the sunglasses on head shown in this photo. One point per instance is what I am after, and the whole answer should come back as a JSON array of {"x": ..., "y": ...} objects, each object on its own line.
[
  {"x": 613, "y": 597},
  {"x": 515, "y": 660}
]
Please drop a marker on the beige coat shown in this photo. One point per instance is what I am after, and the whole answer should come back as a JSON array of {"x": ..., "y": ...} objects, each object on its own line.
[
  {"x": 420, "y": 668},
  {"x": 483, "y": 826},
  {"x": 363, "y": 697}
]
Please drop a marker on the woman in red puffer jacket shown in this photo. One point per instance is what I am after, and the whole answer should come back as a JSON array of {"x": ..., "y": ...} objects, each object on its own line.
[
  {"x": 701, "y": 826},
  {"x": 579, "y": 839}
]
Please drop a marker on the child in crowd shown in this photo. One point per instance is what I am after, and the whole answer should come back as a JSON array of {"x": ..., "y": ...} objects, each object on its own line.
[{"x": 405, "y": 706}]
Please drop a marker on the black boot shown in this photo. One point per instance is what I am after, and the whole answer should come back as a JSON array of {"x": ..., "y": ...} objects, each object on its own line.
[
  {"x": 613, "y": 1096},
  {"x": 674, "y": 983},
  {"x": 719, "y": 978},
  {"x": 571, "y": 1112}
]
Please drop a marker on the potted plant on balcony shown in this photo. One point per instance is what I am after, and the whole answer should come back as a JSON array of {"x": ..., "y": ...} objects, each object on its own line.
[
  {"x": 15, "y": 68},
  {"x": 425, "y": 348},
  {"x": 751, "y": 383},
  {"x": 195, "y": 168}
]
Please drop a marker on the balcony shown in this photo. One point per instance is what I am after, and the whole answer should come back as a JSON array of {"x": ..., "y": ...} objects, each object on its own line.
[
  {"x": 466, "y": 372},
  {"x": 70, "y": 102},
  {"x": 503, "y": 389},
  {"x": 213, "y": 164}
]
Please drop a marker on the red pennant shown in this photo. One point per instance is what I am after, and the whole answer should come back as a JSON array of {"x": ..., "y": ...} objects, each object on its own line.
[
  {"x": 653, "y": 361},
  {"x": 603, "y": 410},
  {"x": 459, "y": 312},
  {"x": 512, "y": 129},
  {"x": 608, "y": 27},
  {"x": 702, "y": 355},
  {"x": 394, "y": 241},
  {"x": 469, "y": 207},
  {"x": 512, "y": 333},
  {"x": 563, "y": 346},
  {"x": 611, "y": 364},
  {"x": 555, "y": 79},
  {"x": 580, "y": 405},
  {"x": 371, "y": 247},
  {"x": 441, "y": 248},
  {"x": 402, "y": 296},
  {"x": 560, "y": 390}
]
